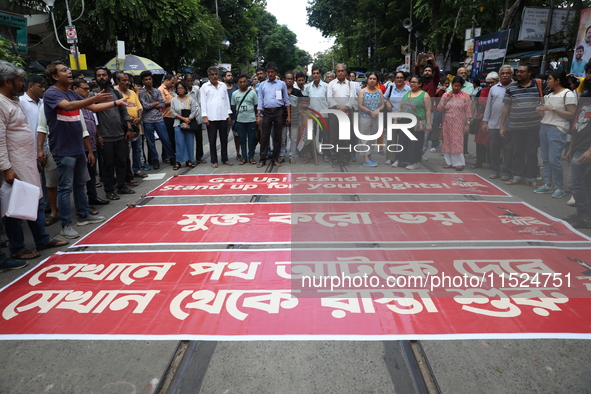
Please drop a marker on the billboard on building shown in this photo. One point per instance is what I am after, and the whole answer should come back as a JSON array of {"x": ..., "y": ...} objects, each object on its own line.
[{"x": 489, "y": 53}]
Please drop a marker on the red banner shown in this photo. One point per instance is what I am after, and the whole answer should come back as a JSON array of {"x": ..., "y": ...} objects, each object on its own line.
[
  {"x": 332, "y": 222},
  {"x": 327, "y": 183},
  {"x": 280, "y": 294}
]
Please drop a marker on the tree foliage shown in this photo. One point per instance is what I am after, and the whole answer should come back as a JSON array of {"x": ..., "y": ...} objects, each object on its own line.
[
  {"x": 176, "y": 33},
  {"x": 370, "y": 33},
  {"x": 8, "y": 53}
]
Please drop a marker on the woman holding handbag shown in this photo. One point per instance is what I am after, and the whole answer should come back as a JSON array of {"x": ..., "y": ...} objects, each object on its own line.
[{"x": 184, "y": 111}]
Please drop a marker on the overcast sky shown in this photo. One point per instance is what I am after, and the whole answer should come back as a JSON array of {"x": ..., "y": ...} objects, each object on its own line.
[{"x": 293, "y": 14}]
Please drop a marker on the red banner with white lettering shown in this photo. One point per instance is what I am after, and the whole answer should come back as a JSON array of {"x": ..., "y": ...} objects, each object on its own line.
[
  {"x": 331, "y": 222},
  {"x": 446, "y": 293},
  {"x": 327, "y": 183}
]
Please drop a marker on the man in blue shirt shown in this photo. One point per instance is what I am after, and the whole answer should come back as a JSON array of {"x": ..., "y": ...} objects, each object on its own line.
[
  {"x": 272, "y": 98},
  {"x": 578, "y": 66}
]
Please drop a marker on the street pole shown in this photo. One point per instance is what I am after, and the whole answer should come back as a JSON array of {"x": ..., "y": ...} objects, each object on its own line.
[
  {"x": 547, "y": 39},
  {"x": 70, "y": 23},
  {"x": 258, "y": 54}
]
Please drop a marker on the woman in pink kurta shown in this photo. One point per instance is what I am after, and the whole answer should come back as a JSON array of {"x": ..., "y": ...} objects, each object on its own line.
[{"x": 456, "y": 122}]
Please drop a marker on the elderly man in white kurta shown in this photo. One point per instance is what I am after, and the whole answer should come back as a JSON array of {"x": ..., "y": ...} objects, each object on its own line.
[{"x": 18, "y": 160}]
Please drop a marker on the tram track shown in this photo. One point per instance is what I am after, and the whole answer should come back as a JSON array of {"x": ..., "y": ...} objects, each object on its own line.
[{"x": 420, "y": 377}]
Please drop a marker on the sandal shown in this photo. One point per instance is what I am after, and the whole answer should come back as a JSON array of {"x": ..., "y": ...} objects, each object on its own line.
[
  {"x": 140, "y": 174},
  {"x": 292, "y": 161},
  {"x": 228, "y": 163},
  {"x": 190, "y": 164},
  {"x": 53, "y": 243},
  {"x": 202, "y": 161},
  {"x": 534, "y": 184},
  {"x": 242, "y": 162},
  {"x": 132, "y": 183},
  {"x": 261, "y": 163},
  {"x": 215, "y": 165},
  {"x": 326, "y": 159},
  {"x": 92, "y": 211},
  {"x": 514, "y": 182},
  {"x": 51, "y": 220},
  {"x": 476, "y": 166},
  {"x": 277, "y": 164},
  {"x": 460, "y": 168},
  {"x": 448, "y": 166},
  {"x": 25, "y": 254},
  {"x": 253, "y": 161},
  {"x": 176, "y": 166}
]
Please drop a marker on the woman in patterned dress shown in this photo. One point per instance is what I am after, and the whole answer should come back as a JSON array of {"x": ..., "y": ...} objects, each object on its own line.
[
  {"x": 456, "y": 122},
  {"x": 371, "y": 102}
]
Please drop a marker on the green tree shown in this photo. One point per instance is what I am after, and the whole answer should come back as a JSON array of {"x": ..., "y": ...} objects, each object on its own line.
[
  {"x": 278, "y": 44},
  {"x": 7, "y": 53},
  {"x": 170, "y": 32}
]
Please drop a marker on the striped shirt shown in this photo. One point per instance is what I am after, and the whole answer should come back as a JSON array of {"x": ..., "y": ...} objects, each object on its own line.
[{"x": 523, "y": 102}]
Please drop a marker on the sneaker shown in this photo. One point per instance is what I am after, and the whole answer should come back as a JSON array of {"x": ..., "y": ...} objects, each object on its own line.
[
  {"x": 558, "y": 193},
  {"x": 580, "y": 220},
  {"x": 370, "y": 163},
  {"x": 69, "y": 232},
  {"x": 432, "y": 150},
  {"x": 571, "y": 202},
  {"x": 89, "y": 219},
  {"x": 413, "y": 166},
  {"x": 395, "y": 164},
  {"x": 388, "y": 162},
  {"x": 126, "y": 190},
  {"x": 374, "y": 161},
  {"x": 146, "y": 167},
  {"x": 544, "y": 190},
  {"x": 10, "y": 264}
]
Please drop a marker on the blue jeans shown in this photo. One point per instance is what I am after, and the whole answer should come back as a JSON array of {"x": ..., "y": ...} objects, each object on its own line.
[
  {"x": 580, "y": 182},
  {"x": 247, "y": 132},
  {"x": 14, "y": 230},
  {"x": 160, "y": 129},
  {"x": 552, "y": 141},
  {"x": 71, "y": 171},
  {"x": 185, "y": 143}
]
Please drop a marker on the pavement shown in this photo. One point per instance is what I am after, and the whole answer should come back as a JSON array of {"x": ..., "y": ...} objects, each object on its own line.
[{"x": 458, "y": 366}]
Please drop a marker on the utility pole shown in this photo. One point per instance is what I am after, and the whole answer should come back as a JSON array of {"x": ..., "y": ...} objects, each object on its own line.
[
  {"x": 547, "y": 39},
  {"x": 258, "y": 54}
]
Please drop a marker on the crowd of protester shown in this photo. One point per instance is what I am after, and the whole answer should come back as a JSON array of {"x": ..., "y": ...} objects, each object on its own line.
[{"x": 103, "y": 133}]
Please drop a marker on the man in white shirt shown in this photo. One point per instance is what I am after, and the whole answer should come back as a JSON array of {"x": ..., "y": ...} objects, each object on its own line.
[
  {"x": 492, "y": 122},
  {"x": 32, "y": 103},
  {"x": 340, "y": 96},
  {"x": 586, "y": 44},
  {"x": 317, "y": 90},
  {"x": 216, "y": 111}
]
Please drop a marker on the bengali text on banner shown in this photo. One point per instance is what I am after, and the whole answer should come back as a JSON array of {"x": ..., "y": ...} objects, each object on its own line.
[
  {"x": 446, "y": 293},
  {"x": 331, "y": 222}
]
